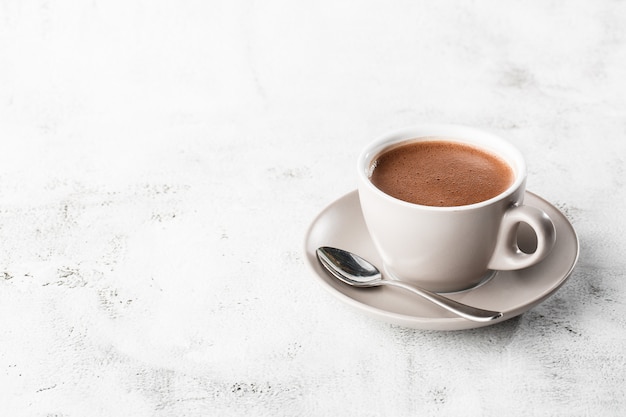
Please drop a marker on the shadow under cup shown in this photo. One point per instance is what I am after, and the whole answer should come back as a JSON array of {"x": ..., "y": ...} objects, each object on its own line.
[{"x": 447, "y": 249}]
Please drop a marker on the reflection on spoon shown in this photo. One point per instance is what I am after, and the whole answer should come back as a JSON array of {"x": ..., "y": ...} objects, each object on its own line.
[{"x": 356, "y": 271}]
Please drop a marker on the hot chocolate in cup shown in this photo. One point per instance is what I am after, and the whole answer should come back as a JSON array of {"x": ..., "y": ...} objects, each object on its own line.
[{"x": 443, "y": 203}]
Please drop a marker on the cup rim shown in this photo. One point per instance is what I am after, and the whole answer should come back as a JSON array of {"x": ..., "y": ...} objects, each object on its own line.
[{"x": 446, "y": 132}]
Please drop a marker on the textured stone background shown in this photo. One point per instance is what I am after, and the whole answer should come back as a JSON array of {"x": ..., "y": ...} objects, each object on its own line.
[{"x": 161, "y": 161}]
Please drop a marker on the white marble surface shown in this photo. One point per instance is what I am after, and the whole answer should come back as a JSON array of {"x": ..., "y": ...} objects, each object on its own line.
[{"x": 160, "y": 162}]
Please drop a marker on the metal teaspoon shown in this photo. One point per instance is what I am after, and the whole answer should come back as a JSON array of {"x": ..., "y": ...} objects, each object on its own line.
[{"x": 356, "y": 271}]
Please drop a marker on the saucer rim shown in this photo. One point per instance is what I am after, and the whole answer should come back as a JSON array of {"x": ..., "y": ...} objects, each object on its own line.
[{"x": 437, "y": 323}]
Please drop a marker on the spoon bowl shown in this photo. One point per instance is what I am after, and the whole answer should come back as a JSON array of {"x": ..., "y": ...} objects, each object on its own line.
[{"x": 356, "y": 271}]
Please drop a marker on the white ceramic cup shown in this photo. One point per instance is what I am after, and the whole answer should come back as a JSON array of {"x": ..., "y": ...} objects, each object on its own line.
[{"x": 449, "y": 249}]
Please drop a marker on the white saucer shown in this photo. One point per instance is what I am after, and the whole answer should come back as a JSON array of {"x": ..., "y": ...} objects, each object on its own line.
[{"x": 511, "y": 292}]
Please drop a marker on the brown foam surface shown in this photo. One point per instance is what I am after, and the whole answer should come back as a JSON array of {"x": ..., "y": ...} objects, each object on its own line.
[{"x": 441, "y": 173}]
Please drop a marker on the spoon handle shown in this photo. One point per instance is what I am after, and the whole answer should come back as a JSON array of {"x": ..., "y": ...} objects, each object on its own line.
[{"x": 460, "y": 309}]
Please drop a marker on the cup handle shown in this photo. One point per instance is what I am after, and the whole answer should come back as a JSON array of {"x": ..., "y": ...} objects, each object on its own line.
[{"x": 507, "y": 255}]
